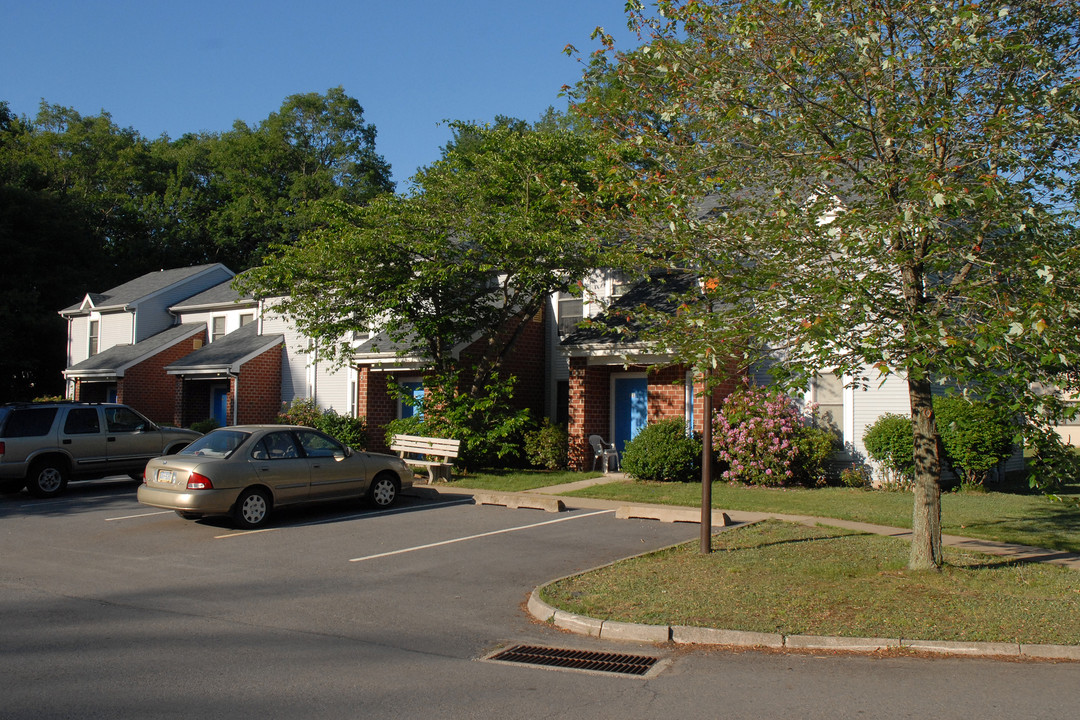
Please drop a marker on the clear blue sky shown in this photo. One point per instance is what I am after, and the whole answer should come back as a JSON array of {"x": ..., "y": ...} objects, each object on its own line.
[{"x": 192, "y": 65}]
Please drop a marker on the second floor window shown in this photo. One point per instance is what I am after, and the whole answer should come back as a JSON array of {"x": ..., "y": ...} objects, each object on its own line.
[
  {"x": 93, "y": 344},
  {"x": 247, "y": 318},
  {"x": 217, "y": 328},
  {"x": 570, "y": 313}
]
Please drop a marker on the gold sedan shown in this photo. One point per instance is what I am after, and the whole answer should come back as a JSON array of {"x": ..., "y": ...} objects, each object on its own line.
[{"x": 247, "y": 471}]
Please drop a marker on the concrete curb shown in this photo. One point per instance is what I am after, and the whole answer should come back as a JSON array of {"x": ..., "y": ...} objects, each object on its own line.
[
  {"x": 669, "y": 515},
  {"x": 515, "y": 501},
  {"x": 686, "y": 635}
]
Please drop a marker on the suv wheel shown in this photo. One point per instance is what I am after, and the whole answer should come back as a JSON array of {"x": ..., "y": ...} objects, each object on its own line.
[{"x": 47, "y": 478}]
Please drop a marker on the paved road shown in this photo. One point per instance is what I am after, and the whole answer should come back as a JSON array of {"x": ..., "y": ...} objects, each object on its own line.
[{"x": 110, "y": 609}]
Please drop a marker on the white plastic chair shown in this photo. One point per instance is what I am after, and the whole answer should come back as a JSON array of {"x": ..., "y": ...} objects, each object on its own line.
[{"x": 603, "y": 451}]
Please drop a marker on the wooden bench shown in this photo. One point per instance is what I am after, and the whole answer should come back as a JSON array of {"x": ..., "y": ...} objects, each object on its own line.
[{"x": 436, "y": 453}]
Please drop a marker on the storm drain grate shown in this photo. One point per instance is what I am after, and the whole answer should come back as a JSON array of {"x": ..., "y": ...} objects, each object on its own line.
[{"x": 577, "y": 659}]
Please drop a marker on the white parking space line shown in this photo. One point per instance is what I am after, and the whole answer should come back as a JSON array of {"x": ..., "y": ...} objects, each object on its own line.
[
  {"x": 481, "y": 535},
  {"x": 132, "y": 517},
  {"x": 331, "y": 521}
]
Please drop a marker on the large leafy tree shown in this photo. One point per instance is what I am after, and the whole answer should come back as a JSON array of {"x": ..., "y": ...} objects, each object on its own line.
[
  {"x": 234, "y": 194},
  {"x": 68, "y": 208},
  {"x": 876, "y": 186},
  {"x": 470, "y": 254},
  {"x": 87, "y": 204}
]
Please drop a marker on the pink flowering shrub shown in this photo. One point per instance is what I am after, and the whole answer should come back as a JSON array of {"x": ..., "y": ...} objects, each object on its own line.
[{"x": 764, "y": 439}]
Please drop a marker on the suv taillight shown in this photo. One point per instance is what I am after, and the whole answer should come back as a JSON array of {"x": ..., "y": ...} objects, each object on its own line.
[
  {"x": 199, "y": 482},
  {"x": 1, "y": 447}
]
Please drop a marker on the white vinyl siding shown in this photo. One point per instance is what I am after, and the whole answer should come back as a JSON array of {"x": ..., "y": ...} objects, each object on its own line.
[
  {"x": 77, "y": 342},
  {"x": 116, "y": 329},
  {"x": 302, "y": 376},
  {"x": 154, "y": 315},
  {"x": 293, "y": 361},
  {"x": 233, "y": 318}
]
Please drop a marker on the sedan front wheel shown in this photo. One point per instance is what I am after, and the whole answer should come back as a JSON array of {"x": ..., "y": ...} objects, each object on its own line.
[
  {"x": 252, "y": 508},
  {"x": 383, "y": 491}
]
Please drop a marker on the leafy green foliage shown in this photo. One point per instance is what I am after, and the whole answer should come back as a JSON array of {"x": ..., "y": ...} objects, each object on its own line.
[
  {"x": 488, "y": 425},
  {"x": 855, "y": 477},
  {"x": 97, "y": 204},
  {"x": 814, "y": 450},
  {"x": 348, "y": 430},
  {"x": 890, "y": 442},
  {"x": 547, "y": 446},
  {"x": 663, "y": 452},
  {"x": 205, "y": 426},
  {"x": 472, "y": 252},
  {"x": 891, "y": 187},
  {"x": 977, "y": 436},
  {"x": 301, "y": 411}
]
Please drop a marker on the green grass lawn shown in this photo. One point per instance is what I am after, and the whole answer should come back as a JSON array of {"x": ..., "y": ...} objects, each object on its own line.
[
  {"x": 794, "y": 579},
  {"x": 1028, "y": 519}
]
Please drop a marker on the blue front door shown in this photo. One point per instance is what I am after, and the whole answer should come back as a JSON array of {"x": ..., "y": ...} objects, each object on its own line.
[
  {"x": 631, "y": 409},
  {"x": 219, "y": 404},
  {"x": 416, "y": 390}
]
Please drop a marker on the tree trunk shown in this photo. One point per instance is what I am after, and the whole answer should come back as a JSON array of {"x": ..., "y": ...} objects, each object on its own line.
[{"x": 926, "y": 515}]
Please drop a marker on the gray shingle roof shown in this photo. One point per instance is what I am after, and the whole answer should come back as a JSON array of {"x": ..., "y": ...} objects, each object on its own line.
[
  {"x": 221, "y": 295},
  {"x": 140, "y": 287},
  {"x": 120, "y": 357},
  {"x": 227, "y": 351},
  {"x": 659, "y": 292}
]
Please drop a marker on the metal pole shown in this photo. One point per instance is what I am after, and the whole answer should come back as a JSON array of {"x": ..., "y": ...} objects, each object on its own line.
[{"x": 706, "y": 469}]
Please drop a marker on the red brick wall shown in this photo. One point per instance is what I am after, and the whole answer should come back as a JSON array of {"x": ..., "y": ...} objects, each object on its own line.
[
  {"x": 149, "y": 389},
  {"x": 375, "y": 405},
  {"x": 260, "y": 388},
  {"x": 589, "y": 409},
  {"x": 667, "y": 393},
  {"x": 525, "y": 361},
  {"x": 590, "y": 401},
  {"x": 721, "y": 391}
]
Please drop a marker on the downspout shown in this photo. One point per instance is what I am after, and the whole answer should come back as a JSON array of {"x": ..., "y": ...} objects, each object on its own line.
[{"x": 236, "y": 398}]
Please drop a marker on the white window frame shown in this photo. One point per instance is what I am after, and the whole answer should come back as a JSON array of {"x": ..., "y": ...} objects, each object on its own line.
[
  {"x": 214, "y": 336},
  {"x": 93, "y": 337}
]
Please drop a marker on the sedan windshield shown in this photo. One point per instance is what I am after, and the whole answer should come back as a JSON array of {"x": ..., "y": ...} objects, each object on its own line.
[{"x": 217, "y": 444}]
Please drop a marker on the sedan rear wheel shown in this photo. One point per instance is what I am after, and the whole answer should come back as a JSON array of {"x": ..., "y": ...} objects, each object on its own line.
[
  {"x": 252, "y": 508},
  {"x": 383, "y": 491}
]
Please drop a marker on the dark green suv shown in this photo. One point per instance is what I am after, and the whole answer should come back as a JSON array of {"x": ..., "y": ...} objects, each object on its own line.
[{"x": 43, "y": 445}]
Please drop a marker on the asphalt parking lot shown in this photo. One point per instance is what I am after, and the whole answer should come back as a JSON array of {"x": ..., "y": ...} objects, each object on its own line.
[{"x": 111, "y": 608}]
